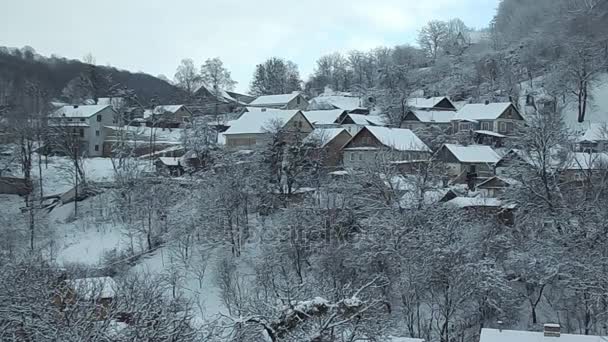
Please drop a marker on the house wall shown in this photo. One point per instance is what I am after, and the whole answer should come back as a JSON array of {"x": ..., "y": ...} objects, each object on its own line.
[
  {"x": 298, "y": 102},
  {"x": 245, "y": 140},
  {"x": 333, "y": 150},
  {"x": 357, "y": 158}
]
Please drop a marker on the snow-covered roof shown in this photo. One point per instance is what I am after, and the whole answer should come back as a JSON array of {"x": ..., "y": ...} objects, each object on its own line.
[
  {"x": 93, "y": 288},
  {"x": 482, "y": 111},
  {"x": 439, "y": 116},
  {"x": 258, "y": 121},
  {"x": 490, "y": 133},
  {"x": 366, "y": 120},
  {"x": 343, "y": 102},
  {"x": 595, "y": 132},
  {"x": 468, "y": 202},
  {"x": 495, "y": 335},
  {"x": 281, "y": 99},
  {"x": 170, "y": 161},
  {"x": 159, "y": 110},
  {"x": 404, "y": 339},
  {"x": 78, "y": 111},
  {"x": 324, "y": 135},
  {"x": 111, "y": 101},
  {"x": 473, "y": 153},
  {"x": 398, "y": 138},
  {"x": 587, "y": 161},
  {"x": 506, "y": 180},
  {"x": 323, "y": 117},
  {"x": 422, "y": 102}
]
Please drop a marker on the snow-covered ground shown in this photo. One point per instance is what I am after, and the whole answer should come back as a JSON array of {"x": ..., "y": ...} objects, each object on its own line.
[{"x": 57, "y": 178}]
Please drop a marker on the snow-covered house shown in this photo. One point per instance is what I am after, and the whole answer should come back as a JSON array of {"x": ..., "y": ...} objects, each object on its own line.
[
  {"x": 550, "y": 333},
  {"x": 595, "y": 138},
  {"x": 170, "y": 166},
  {"x": 355, "y": 122},
  {"x": 207, "y": 101},
  {"x": 392, "y": 144},
  {"x": 325, "y": 118},
  {"x": 330, "y": 142},
  {"x": 86, "y": 122},
  {"x": 167, "y": 116},
  {"x": 419, "y": 118},
  {"x": 501, "y": 118},
  {"x": 99, "y": 291},
  {"x": 495, "y": 186},
  {"x": 431, "y": 103},
  {"x": 294, "y": 100},
  {"x": 255, "y": 127},
  {"x": 468, "y": 163}
]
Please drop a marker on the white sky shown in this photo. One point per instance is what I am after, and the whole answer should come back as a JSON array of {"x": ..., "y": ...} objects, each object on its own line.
[{"x": 153, "y": 35}]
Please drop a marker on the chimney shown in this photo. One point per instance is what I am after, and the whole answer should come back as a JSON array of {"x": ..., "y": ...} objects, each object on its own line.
[
  {"x": 499, "y": 324},
  {"x": 487, "y": 102},
  {"x": 552, "y": 330}
]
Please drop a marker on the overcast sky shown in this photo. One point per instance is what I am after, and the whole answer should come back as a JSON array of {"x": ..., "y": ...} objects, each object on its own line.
[{"x": 153, "y": 35}]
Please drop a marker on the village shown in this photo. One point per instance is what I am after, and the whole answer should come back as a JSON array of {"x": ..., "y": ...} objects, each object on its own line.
[{"x": 265, "y": 171}]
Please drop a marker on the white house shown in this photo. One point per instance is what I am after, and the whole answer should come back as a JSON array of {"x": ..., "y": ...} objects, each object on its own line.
[
  {"x": 294, "y": 100},
  {"x": 255, "y": 127},
  {"x": 87, "y": 122}
]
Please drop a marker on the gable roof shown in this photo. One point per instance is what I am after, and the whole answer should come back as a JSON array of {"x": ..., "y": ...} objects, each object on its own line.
[
  {"x": 266, "y": 100},
  {"x": 503, "y": 180},
  {"x": 162, "y": 109},
  {"x": 324, "y": 102},
  {"x": 323, "y": 117},
  {"x": 596, "y": 132},
  {"x": 482, "y": 111},
  {"x": 495, "y": 335},
  {"x": 476, "y": 202},
  {"x": 258, "y": 121},
  {"x": 400, "y": 139},
  {"x": 365, "y": 120},
  {"x": 430, "y": 116},
  {"x": 78, "y": 111},
  {"x": 325, "y": 135},
  {"x": 428, "y": 103},
  {"x": 473, "y": 153},
  {"x": 223, "y": 95}
]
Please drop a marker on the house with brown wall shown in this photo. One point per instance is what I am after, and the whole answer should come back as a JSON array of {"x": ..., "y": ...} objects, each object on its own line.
[
  {"x": 502, "y": 118},
  {"x": 373, "y": 143},
  {"x": 329, "y": 142}
]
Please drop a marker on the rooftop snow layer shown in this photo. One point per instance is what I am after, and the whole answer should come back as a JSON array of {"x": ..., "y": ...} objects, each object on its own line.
[
  {"x": 468, "y": 202},
  {"x": 595, "y": 132},
  {"x": 93, "y": 288},
  {"x": 324, "y": 135},
  {"x": 335, "y": 102},
  {"x": 473, "y": 153},
  {"x": 274, "y": 99},
  {"x": 82, "y": 111},
  {"x": 398, "y": 138},
  {"x": 323, "y": 117},
  {"x": 495, "y": 335},
  {"x": 366, "y": 120},
  {"x": 439, "y": 116},
  {"x": 491, "y": 133},
  {"x": 421, "y": 102},
  {"x": 482, "y": 111},
  {"x": 159, "y": 110},
  {"x": 255, "y": 122}
]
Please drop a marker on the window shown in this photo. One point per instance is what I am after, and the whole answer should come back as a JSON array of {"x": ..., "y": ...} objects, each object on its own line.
[
  {"x": 99, "y": 118},
  {"x": 82, "y": 132},
  {"x": 510, "y": 127},
  {"x": 69, "y": 119},
  {"x": 96, "y": 133},
  {"x": 502, "y": 127},
  {"x": 465, "y": 127},
  {"x": 352, "y": 156},
  {"x": 360, "y": 156},
  {"x": 298, "y": 100},
  {"x": 96, "y": 147},
  {"x": 82, "y": 119},
  {"x": 486, "y": 126}
]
